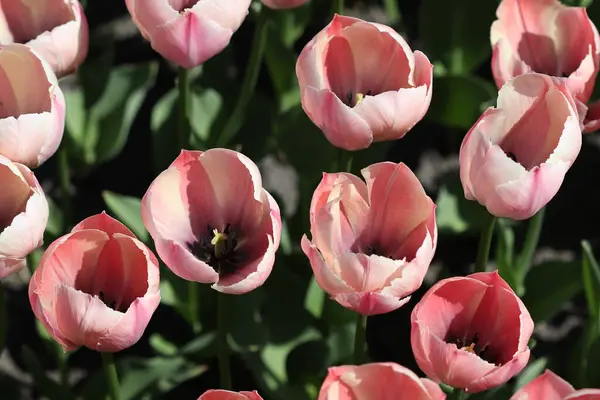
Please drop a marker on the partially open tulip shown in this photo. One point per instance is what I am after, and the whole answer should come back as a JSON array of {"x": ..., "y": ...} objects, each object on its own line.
[
  {"x": 188, "y": 32},
  {"x": 377, "y": 381},
  {"x": 23, "y": 215},
  {"x": 55, "y": 29},
  {"x": 471, "y": 332},
  {"x": 361, "y": 83},
  {"x": 227, "y": 395},
  {"x": 547, "y": 386},
  {"x": 515, "y": 157},
  {"x": 548, "y": 37},
  {"x": 96, "y": 287},
  {"x": 372, "y": 242},
  {"x": 212, "y": 221},
  {"x": 277, "y": 4},
  {"x": 32, "y": 107}
]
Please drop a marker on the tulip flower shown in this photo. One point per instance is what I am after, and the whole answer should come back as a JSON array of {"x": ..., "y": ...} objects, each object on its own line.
[
  {"x": 515, "y": 157},
  {"x": 550, "y": 386},
  {"x": 277, "y": 4},
  {"x": 548, "y": 37},
  {"x": 32, "y": 107},
  {"x": 471, "y": 332},
  {"x": 227, "y": 395},
  {"x": 361, "y": 83},
  {"x": 377, "y": 381},
  {"x": 56, "y": 29},
  {"x": 23, "y": 215},
  {"x": 97, "y": 286},
  {"x": 212, "y": 221},
  {"x": 372, "y": 242},
  {"x": 189, "y": 32}
]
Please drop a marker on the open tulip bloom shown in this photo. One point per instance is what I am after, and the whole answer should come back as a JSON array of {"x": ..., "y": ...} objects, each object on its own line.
[
  {"x": 188, "y": 32},
  {"x": 471, "y": 332},
  {"x": 219, "y": 394},
  {"x": 373, "y": 241},
  {"x": 360, "y": 82},
  {"x": 97, "y": 286},
  {"x": 23, "y": 215},
  {"x": 55, "y": 29},
  {"x": 550, "y": 386},
  {"x": 212, "y": 221},
  {"x": 32, "y": 107},
  {"x": 514, "y": 159},
  {"x": 377, "y": 381}
]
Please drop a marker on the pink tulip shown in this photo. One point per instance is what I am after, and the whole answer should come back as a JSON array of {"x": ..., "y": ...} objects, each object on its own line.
[
  {"x": 96, "y": 286},
  {"x": 584, "y": 394},
  {"x": 277, "y": 4},
  {"x": 188, "y": 32},
  {"x": 550, "y": 386},
  {"x": 377, "y": 381},
  {"x": 548, "y": 37},
  {"x": 56, "y": 29},
  {"x": 23, "y": 215},
  {"x": 371, "y": 243},
  {"x": 471, "y": 332},
  {"x": 227, "y": 395},
  {"x": 515, "y": 157},
  {"x": 32, "y": 107},
  {"x": 212, "y": 221},
  {"x": 361, "y": 83}
]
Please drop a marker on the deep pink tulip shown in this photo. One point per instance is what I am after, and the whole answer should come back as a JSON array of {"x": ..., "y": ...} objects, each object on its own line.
[
  {"x": 227, "y": 395},
  {"x": 361, "y": 83},
  {"x": 97, "y": 286},
  {"x": 277, "y": 4},
  {"x": 188, "y": 32},
  {"x": 471, "y": 332},
  {"x": 548, "y": 37},
  {"x": 56, "y": 29},
  {"x": 371, "y": 242},
  {"x": 584, "y": 394},
  {"x": 32, "y": 107},
  {"x": 515, "y": 157},
  {"x": 377, "y": 381},
  {"x": 212, "y": 221},
  {"x": 23, "y": 215}
]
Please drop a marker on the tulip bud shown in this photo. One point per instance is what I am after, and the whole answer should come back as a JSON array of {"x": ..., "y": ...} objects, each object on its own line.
[
  {"x": 56, "y": 29},
  {"x": 188, "y": 32},
  {"x": 23, "y": 215},
  {"x": 97, "y": 286},
  {"x": 361, "y": 83},
  {"x": 32, "y": 107}
]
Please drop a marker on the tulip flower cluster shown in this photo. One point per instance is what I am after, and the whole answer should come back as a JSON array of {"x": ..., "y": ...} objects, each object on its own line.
[{"x": 371, "y": 238}]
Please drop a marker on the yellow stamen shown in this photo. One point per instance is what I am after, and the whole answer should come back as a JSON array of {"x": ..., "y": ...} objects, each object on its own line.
[
  {"x": 470, "y": 348},
  {"x": 219, "y": 242},
  {"x": 359, "y": 97}
]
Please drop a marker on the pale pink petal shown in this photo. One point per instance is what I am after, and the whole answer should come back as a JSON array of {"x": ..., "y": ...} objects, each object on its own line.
[
  {"x": 325, "y": 276},
  {"x": 370, "y": 303},
  {"x": 183, "y": 263},
  {"x": 105, "y": 223},
  {"x": 547, "y": 386}
]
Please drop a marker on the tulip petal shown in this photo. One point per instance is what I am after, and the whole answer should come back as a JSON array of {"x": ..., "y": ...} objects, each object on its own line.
[
  {"x": 370, "y": 303},
  {"x": 324, "y": 275},
  {"x": 547, "y": 386},
  {"x": 105, "y": 223}
]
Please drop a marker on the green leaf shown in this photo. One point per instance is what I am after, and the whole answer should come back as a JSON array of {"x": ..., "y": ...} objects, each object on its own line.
[
  {"x": 162, "y": 346},
  {"x": 457, "y": 32},
  {"x": 458, "y": 100},
  {"x": 55, "y": 219},
  {"x": 591, "y": 279},
  {"x": 128, "y": 210},
  {"x": 205, "y": 107},
  {"x": 532, "y": 371},
  {"x": 505, "y": 253},
  {"x": 49, "y": 388},
  {"x": 247, "y": 329},
  {"x": 549, "y": 286}
]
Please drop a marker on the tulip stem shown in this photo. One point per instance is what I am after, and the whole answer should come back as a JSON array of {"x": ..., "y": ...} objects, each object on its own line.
[
  {"x": 183, "y": 127},
  {"x": 236, "y": 120},
  {"x": 392, "y": 11},
  {"x": 64, "y": 177},
  {"x": 112, "y": 378},
  {"x": 193, "y": 306},
  {"x": 485, "y": 243},
  {"x": 223, "y": 349},
  {"x": 532, "y": 238},
  {"x": 359, "y": 339},
  {"x": 338, "y": 7},
  {"x": 458, "y": 394},
  {"x": 61, "y": 360}
]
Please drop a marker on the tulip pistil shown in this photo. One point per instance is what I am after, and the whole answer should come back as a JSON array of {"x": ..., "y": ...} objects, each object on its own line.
[
  {"x": 471, "y": 346},
  {"x": 353, "y": 100},
  {"x": 218, "y": 251}
]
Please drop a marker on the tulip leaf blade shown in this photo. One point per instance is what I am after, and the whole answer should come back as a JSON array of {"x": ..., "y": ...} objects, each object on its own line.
[
  {"x": 549, "y": 286},
  {"x": 128, "y": 210},
  {"x": 591, "y": 279}
]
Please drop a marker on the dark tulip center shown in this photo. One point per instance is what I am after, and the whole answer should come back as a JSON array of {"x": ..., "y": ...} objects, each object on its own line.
[
  {"x": 472, "y": 346},
  {"x": 371, "y": 250},
  {"x": 512, "y": 156},
  {"x": 112, "y": 303},
  {"x": 218, "y": 249},
  {"x": 354, "y": 99}
]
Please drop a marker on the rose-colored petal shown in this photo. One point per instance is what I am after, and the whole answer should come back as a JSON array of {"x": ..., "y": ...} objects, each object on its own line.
[
  {"x": 218, "y": 394},
  {"x": 547, "y": 386},
  {"x": 282, "y": 4},
  {"x": 584, "y": 394},
  {"x": 105, "y": 223}
]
